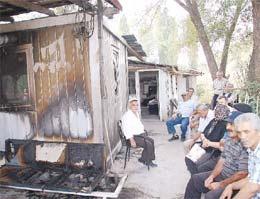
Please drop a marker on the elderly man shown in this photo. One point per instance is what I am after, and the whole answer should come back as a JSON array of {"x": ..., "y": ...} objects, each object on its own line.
[
  {"x": 219, "y": 85},
  {"x": 205, "y": 116},
  {"x": 133, "y": 130},
  {"x": 248, "y": 128},
  {"x": 231, "y": 167},
  {"x": 181, "y": 116}
]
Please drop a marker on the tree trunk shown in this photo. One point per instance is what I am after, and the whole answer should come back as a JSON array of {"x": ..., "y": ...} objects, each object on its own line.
[
  {"x": 254, "y": 66},
  {"x": 196, "y": 19},
  {"x": 192, "y": 8},
  {"x": 229, "y": 34}
]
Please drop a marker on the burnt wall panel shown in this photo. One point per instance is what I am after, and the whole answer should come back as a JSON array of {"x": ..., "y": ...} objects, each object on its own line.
[
  {"x": 115, "y": 82},
  {"x": 61, "y": 93},
  {"x": 62, "y": 78}
]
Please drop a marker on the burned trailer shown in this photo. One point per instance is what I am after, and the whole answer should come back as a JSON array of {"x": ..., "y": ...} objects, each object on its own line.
[
  {"x": 63, "y": 79},
  {"x": 58, "y": 167},
  {"x": 52, "y": 85}
]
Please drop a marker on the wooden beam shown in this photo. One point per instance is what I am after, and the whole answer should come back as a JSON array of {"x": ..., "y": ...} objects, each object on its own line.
[
  {"x": 40, "y": 23},
  {"x": 29, "y": 6},
  {"x": 8, "y": 19}
]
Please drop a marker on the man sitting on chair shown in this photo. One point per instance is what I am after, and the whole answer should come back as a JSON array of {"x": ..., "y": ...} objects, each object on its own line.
[{"x": 133, "y": 130}]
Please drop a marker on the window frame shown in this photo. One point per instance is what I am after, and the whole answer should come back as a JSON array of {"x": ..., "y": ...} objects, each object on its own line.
[{"x": 30, "y": 104}]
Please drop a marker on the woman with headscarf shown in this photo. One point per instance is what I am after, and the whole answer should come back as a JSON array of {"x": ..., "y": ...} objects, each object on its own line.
[{"x": 213, "y": 132}]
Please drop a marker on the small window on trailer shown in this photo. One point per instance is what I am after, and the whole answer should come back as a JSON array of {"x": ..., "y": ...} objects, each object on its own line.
[{"x": 16, "y": 76}]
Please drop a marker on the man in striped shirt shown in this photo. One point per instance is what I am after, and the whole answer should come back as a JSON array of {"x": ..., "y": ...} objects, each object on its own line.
[
  {"x": 248, "y": 127},
  {"x": 231, "y": 167}
]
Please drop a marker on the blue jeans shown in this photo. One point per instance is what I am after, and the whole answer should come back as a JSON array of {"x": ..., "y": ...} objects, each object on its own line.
[{"x": 184, "y": 121}]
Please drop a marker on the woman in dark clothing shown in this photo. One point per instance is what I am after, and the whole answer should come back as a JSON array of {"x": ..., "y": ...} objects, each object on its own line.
[{"x": 211, "y": 137}]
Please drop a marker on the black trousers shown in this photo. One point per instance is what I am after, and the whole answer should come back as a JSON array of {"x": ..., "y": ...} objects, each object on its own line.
[
  {"x": 196, "y": 186},
  {"x": 206, "y": 163},
  {"x": 147, "y": 144},
  {"x": 214, "y": 101}
]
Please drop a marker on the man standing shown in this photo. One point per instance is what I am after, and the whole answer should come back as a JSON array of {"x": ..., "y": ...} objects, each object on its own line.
[
  {"x": 219, "y": 85},
  {"x": 192, "y": 96},
  {"x": 248, "y": 128},
  {"x": 231, "y": 167},
  {"x": 133, "y": 130},
  {"x": 181, "y": 116}
]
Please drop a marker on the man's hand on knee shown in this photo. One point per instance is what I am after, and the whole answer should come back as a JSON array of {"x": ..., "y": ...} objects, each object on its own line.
[{"x": 133, "y": 143}]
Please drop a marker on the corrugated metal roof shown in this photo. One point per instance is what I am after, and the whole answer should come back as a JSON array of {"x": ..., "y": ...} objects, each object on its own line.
[{"x": 132, "y": 42}]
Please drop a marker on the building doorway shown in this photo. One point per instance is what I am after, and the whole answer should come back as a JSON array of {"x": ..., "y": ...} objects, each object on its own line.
[{"x": 149, "y": 94}]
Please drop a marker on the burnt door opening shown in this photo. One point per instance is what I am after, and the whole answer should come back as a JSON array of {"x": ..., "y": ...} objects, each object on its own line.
[{"x": 149, "y": 93}]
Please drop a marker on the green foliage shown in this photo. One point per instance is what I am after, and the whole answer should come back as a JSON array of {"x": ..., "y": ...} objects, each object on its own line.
[
  {"x": 251, "y": 95},
  {"x": 217, "y": 16},
  {"x": 190, "y": 40},
  {"x": 163, "y": 36}
]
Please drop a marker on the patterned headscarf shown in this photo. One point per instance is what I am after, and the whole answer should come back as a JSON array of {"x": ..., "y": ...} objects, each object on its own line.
[{"x": 221, "y": 112}]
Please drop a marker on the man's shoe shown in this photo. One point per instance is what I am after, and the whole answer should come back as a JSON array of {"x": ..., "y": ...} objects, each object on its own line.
[
  {"x": 174, "y": 137},
  {"x": 141, "y": 161},
  {"x": 183, "y": 139},
  {"x": 153, "y": 164}
]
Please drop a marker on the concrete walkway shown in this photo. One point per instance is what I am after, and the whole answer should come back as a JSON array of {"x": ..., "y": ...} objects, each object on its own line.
[{"x": 168, "y": 180}]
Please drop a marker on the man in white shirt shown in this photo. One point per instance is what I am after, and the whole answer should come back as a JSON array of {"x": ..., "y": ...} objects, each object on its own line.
[
  {"x": 181, "y": 116},
  {"x": 219, "y": 85},
  {"x": 133, "y": 130},
  {"x": 192, "y": 96},
  {"x": 206, "y": 115}
]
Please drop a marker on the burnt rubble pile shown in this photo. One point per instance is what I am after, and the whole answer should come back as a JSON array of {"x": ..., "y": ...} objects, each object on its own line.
[{"x": 55, "y": 167}]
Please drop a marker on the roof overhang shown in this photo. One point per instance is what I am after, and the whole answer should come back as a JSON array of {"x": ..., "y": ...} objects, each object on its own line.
[
  {"x": 134, "y": 65},
  {"x": 10, "y": 8}
]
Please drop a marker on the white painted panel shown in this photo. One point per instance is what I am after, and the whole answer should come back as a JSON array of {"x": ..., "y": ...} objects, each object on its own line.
[
  {"x": 163, "y": 95},
  {"x": 14, "y": 126},
  {"x": 181, "y": 86},
  {"x": 50, "y": 152},
  {"x": 137, "y": 88}
]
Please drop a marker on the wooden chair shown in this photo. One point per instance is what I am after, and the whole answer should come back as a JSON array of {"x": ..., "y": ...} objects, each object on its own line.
[{"x": 126, "y": 142}]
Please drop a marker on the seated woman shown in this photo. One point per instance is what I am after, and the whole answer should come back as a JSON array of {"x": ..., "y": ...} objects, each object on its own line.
[{"x": 213, "y": 132}]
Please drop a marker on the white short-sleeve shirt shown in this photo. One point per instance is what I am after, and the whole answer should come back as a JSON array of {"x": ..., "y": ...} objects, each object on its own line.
[
  {"x": 203, "y": 122},
  {"x": 131, "y": 124}
]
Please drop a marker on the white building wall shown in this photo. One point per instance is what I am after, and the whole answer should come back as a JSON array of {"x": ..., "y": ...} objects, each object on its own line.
[
  {"x": 181, "y": 86},
  {"x": 164, "y": 94}
]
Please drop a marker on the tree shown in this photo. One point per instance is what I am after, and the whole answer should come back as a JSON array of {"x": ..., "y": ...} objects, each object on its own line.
[
  {"x": 254, "y": 66},
  {"x": 158, "y": 34},
  {"x": 190, "y": 41},
  {"x": 192, "y": 7}
]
